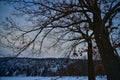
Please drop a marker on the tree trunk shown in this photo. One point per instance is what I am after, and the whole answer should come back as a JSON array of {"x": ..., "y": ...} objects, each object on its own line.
[
  {"x": 110, "y": 61},
  {"x": 91, "y": 74}
]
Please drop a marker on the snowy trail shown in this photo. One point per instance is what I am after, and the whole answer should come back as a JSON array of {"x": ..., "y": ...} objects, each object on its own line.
[{"x": 51, "y": 78}]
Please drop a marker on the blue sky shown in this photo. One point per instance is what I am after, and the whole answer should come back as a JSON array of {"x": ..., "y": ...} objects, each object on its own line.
[{"x": 5, "y": 11}]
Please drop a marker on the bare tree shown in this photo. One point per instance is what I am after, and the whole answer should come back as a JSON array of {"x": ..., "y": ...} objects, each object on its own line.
[{"x": 71, "y": 17}]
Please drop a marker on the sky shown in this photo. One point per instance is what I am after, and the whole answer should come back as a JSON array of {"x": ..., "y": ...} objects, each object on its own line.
[{"x": 6, "y": 11}]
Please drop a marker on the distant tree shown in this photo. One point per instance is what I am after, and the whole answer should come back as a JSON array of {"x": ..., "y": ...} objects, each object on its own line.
[{"x": 68, "y": 18}]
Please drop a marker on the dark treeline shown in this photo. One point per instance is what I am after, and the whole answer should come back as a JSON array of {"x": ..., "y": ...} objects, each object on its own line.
[{"x": 47, "y": 67}]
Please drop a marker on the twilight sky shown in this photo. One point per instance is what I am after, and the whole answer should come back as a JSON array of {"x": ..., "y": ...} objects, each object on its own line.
[{"x": 6, "y": 11}]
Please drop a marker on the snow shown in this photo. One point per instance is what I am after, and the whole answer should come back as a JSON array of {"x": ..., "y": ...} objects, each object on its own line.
[{"x": 52, "y": 78}]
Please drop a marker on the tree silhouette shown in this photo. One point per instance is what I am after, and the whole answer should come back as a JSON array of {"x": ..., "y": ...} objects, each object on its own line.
[{"x": 72, "y": 17}]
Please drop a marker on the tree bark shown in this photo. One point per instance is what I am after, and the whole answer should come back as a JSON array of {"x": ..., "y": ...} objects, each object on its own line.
[
  {"x": 91, "y": 74},
  {"x": 110, "y": 60}
]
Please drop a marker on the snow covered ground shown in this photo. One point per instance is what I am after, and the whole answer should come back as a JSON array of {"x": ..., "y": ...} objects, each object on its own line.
[{"x": 51, "y": 78}]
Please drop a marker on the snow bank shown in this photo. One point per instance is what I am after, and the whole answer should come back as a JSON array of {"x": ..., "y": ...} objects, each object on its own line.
[{"x": 51, "y": 78}]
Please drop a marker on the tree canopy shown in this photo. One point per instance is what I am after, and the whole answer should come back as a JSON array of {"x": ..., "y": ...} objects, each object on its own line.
[{"x": 69, "y": 22}]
